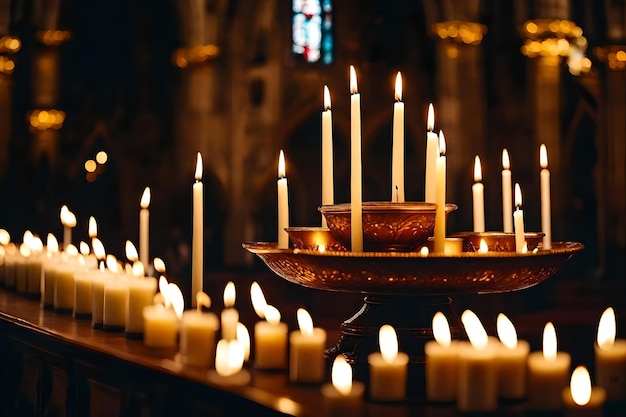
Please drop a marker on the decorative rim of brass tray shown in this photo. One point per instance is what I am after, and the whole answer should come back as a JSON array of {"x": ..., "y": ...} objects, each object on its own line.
[{"x": 410, "y": 273}]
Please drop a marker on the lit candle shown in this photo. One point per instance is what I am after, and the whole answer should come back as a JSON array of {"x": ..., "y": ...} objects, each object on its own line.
[
  {"x": 507, "y": 193},
  {"x": 581, "y": 399},
  {"x": 610, "y": 357},
  {"x": 388, "y": 368},
  {"x": 478, "y": 195},
  {"x": 432, "y": 153},
  {"x": 20, "y": 267},
  {"x": 161, "y": 320},
  {"x": 440, "y": 217},
  {"x": 306, "y": 351},
  {"x": 197, "y": 334},
  {"x": 49, "y": 270},
  {"x": 328, "y": 196},
  {"x": 397, "y": 159},
  {"x": 512, "y": 357},
  {"x": 83, "y": 288},
  {"x": 283, "y": 204},
  {"x": 477, "y": 377},
  {"x": 68, "y": 219},
  {"x": 144, "y": 228},
  {"x": 343, "y": 396},
  {"x": 441, "y": 362},
  {"x": 518, "y": 220},
  {"x": 115, "y": 304},
  {"x": 229, "y": 358},
  {"x": 197, "y": 250},
  {"x": 230, "y": 315},
  {"x": 546, "y": 227},
  {"x": 34, "y": 265},
  {"x": 99, "y": 278},
  {"x": 243, "y": 337},
  {"x": 270, "y": 335},
  {"x": 356, "y": 198},
  {"x": 547, "y": 373},
  {"x": 141, "y": 291},
  {"x": 64, "y": 281}
]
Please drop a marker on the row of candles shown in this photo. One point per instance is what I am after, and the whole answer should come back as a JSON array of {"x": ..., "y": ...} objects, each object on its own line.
[{"x": 435, "y": 177}]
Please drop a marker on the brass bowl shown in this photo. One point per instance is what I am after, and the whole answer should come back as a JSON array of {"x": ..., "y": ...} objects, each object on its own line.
[
  {"x": 497, "y": 241},
  {"x": 387, "y": 226},
  {"x": 313, "y": 238}
]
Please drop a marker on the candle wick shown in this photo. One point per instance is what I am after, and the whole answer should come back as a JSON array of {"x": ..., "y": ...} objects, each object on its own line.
[{"x": 397, "y": 193}]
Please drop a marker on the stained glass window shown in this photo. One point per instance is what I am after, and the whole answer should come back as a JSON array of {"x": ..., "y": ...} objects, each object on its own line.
[{"x": 312, "y": 30}]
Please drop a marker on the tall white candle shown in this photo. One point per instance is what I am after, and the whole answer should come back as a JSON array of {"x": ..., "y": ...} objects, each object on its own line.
[
  {"x": 356, "y": 198},
  {"x": 197, "y": 250},
  {"x": 432, "y": 153},
  {"x": 546, "y": 227},
  {"x": 328, "y": 196},
  {"x": 440, "y": 217},
  {"x": 507, "y": 194},
  {"x": 518, "y": 220},
  {"x": 144, "y": 219},
  {"x": 283, "y": 204},
  {"x": 478, "y": 196},
  {"x": 397, "y": 158}
]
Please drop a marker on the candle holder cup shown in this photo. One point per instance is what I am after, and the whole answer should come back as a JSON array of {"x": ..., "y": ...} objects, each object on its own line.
[
  {"x": 497, "y": 241},
  {"x": 313, "y": 238}
]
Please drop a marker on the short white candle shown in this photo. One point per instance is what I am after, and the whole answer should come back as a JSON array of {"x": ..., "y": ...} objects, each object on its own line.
[
  {"x": 160, "y": 327},
  {"x": 20, "y": 268},
  {"x": 229, "y": 359},
  {"x": 197, "y": 248},
  {"x": 518, "y": 220},
  {"x": 270, "y": 341},
  {"x": 83, "y": 289},
  {"x": 197, "y": 334},
  {"x": 64, "y": 286},
  {"x": 432, "y": 153},
  {"x": 328, "y": 192},
  {"x": 507, "y": 193},
  {"x": 610, "y": 358},
  {"x": 388, "y": 368},
  {"x": 141, "y": 291},
  {"x": 343, "y": 397},
  {"x": 512, "y": 358},
  {"x": 581, "y": 399},
  {"x": 115, "y": 304},
  {"x": 441, "y": 362},
  {"x": 440, "y": 217},
  {"x": 478, "y": 197},
  {"x": 34, "y": 266},
  {"x": 306, "y": 351},
  {"x": 144, "y": 228},
  {"x": 356, "y": 198},
  {"x": 397, "y": 156},
  {"x": 546, "y": 220},
  {"x": 283, "y": 204},
  {"x": 548, "y": 372},
  {"x": 230, "y": 315}
]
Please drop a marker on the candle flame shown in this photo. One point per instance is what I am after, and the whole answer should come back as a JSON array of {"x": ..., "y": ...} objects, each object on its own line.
[
  {"x": 272, "y": 314},
  {"x": 159, "y": 265},
  {"x": 398, "y": 87},
  {"x": 424, "y": 251},
  {"x": 606, "y": 329},
  {"x": 506, "y": 163},
  {"x": 230, "y": 294},
  {"x": 478, "y": 170},
  {"x": 321, "y": 248},
  {"x": 25, "y": 250},
  {"x": 163, "y": 289},
  {"x": 71, "y": 250},
  {"x": 441, "y": 329},
  {"x": 305, "y": 322},
  {"x": 243, "y": 337},
  {"x": 229, "y": 357},
  {"x": 137, "y": 269},
  {"x": 36, "y": 245},
  {"x": 198, "y": 174},
  {"x": 5, "y": 237},
  {"x": 68, "y": 218},
  {"x": 202, "y": 300},
  {"x": 28, "y": 235},
  {"x": 518, "y": 196},
  {"x": 474, "y": 329},
  {"x": 353, "y": 84},
  {"x": 281, "y": 164},
  {"x": 341, "y": 375},
  {"x": 549, "y": 342},
  {"x": 52, "y": 245},
  {"x": 580, "y": 386},
  {"x": 258, "y": 299},
  {"x": 131, "y": 251},
  {"x": 93, "y": 227},
  {"x": 442, "y": 143},
  {"x": 506, "y": 331},
  {"x": 176, "y": 298},
  {"x": 543, "y": 156},
  {"x": 388, "y": 341},
  {"x": 145, "y": 198},
  {"x": 112, "y": 263},
  {"x": 84, "y": 248},
  {"x": 430, "y": 123},
  {"x": 128, "y": 269},
  {"x": 483, "y": 247},
  {"x": 326, "y": 98},
  {"x": 98, "y": 249}
]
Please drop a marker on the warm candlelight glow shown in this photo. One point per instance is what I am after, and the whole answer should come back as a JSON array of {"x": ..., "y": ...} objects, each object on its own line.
[
  {"x": 549, "y": 342},
  {"x": 52, "y": 245},
  {"x": 203, "y": 300},
  {"x": 474, "y": 329},
  {"x": 137, "y": 269},
  {"x": 145, "y": 198},
  {"x": 258, "y": 299},
  {"x": 243, "y": 336},
  {"x": 398, "y": 91},
  {"x": 543, "y": 156},
  {"x": 71, "y": 250},
  {"x": 176, "y": 299},
  {"x": 341, "y": 375},
  {"x": 198, "y": 174},
  {"x": 483, "y": 247},
  {"x": 229, "y": 357},
  {"x": 506, "y": 331},
  {"x": 272, "y": 315},
  {"x": 93, "y": 227},
  {"x": 478, "y": 171},
  {"x": 353, "y": 84},
  {"x": 5, "y": 237},
  {"x": 36, "y": 245},
  {"x": 230, "y": 294},
  {"x": 606, "y": 329},
  {"x": 163, "y": 289},
  {"x": 281, "y": 164},
  {"x": 111, "y": 262},
  {"x": 580, "y": 386},
  {"x": 28, "y": 235},
  {"x": 326, "y": 98},
  {"x": 441, "y": 329},
  {"x": 305, "y": 322},
  {"x": 424, "y": 251},
  {"x": 159, "y": 265},
  {"x": 388, "y": 341},
  {"x": 98, "y": 249},
  {"x": 24, "y": 250},
  {"x": 131, "y": 251},
  {"x": 430, "y": 123},
  {"x": 506, "y": 163},
  {"x": 68, "y": 218},
  {"x": 518, "y": 196},
  {"x": 442, "y": 143},
  {"x": 84, "y": 248}
]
